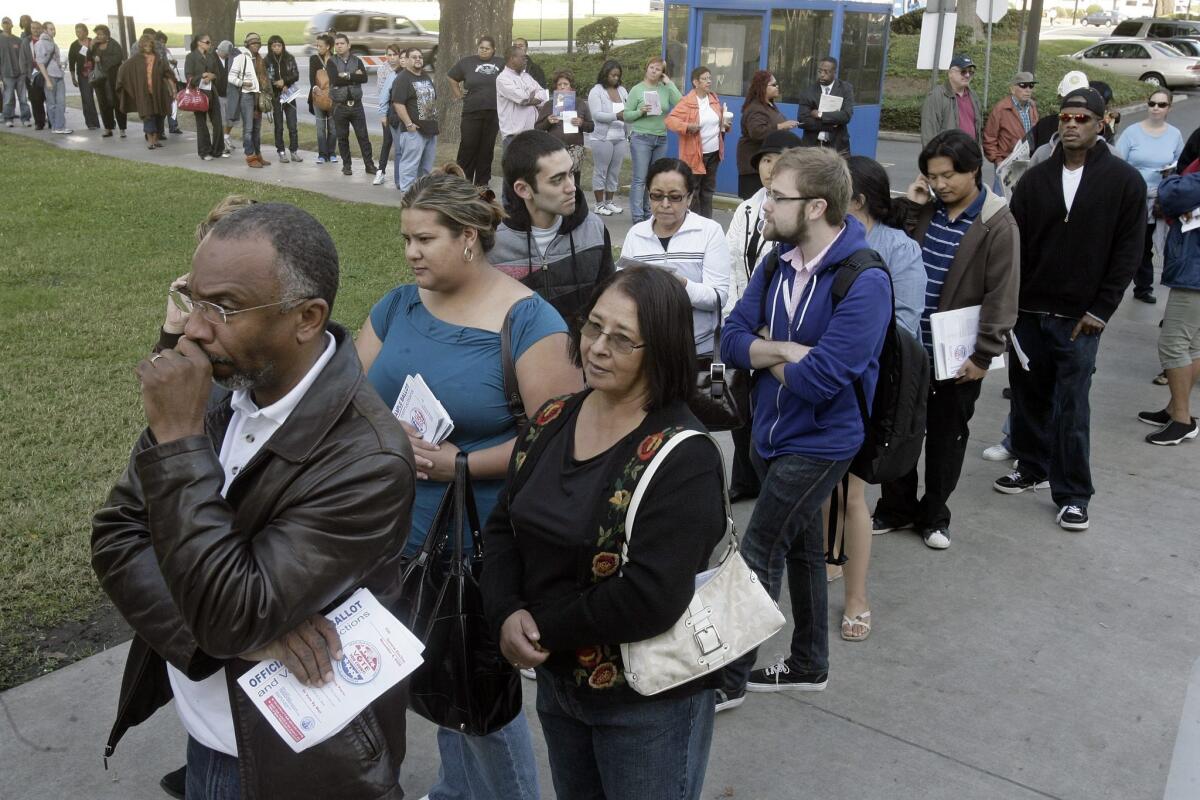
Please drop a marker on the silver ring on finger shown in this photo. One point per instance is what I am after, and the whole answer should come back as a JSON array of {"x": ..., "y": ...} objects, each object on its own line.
[{"x": 155, "y": 357}]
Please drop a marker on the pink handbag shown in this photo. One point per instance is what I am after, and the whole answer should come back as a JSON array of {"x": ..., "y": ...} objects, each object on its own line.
[{"x": 191, "y": 99}]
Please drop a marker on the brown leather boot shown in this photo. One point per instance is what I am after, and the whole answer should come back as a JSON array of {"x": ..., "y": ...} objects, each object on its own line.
[
  {"x": 252, "y": 161},
  {"x": 262, "y": 162}
]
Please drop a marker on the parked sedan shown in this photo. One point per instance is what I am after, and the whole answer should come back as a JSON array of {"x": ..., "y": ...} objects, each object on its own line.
[
  {"x": 1146, "y": 60},
  {"x": 1099, "y": 18}
]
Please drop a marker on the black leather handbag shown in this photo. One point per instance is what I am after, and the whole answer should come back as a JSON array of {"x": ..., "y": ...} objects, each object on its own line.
[
  {"x": 722, "y": 398},
  {"x": 464, "y": 684}
]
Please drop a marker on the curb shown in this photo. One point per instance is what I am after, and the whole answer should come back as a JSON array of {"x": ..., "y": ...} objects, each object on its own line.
[{"x": 899, "y": 136}]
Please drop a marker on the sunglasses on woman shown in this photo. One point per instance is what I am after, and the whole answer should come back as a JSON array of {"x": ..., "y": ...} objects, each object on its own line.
[{"x": 1154, "y": 104}]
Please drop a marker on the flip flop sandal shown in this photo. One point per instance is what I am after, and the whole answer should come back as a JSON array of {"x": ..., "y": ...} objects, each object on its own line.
[
  {"x": 862, "y": 620},
  {"x": 1160, "y": 379}
]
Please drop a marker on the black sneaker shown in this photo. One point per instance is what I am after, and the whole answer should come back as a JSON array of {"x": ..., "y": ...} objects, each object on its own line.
[
  {"x": 1016, "y": 482},
  {"x": 346, "y": 170},
  {"x": 1072, "y": 518},
  {"x": 727, "y": 699},
  {"x": 1174, "y": 433},
  {"x": 1146, "y": 297},
  {"x": 779, "y": 677},
  {"x": 880, "y": 525},
  {"x": 174, "y": 783},
  {"x": 1157, "y": 418}
]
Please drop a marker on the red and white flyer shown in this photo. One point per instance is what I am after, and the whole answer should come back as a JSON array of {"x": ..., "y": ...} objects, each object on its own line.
[{"x": 377, "y": 653}]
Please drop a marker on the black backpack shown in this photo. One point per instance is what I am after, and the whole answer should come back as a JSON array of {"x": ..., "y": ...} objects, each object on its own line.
[{"x": 895, "y": 425}]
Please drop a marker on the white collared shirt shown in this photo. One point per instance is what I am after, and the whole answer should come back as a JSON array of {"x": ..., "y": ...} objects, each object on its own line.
[{"x": 203, "y": 705}]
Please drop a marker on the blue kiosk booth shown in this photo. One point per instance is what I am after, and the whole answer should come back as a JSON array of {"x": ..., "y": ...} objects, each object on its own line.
[{"x": 734, "y": 38}]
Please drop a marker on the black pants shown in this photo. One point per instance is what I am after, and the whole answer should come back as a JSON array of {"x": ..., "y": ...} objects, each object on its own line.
[
  {"x": 285, "y": 112},
  {"x": 702, "y": 199},
  {"x": 386, "y": 150},
  {"x": 344, "y": 116},
  {"x": 37, "y": 100},
  {"x": 106, "y": 98},
  {"x": 477, "y": 147},
  {"x": 88, "y": 98},
  {"x": 1143, "y": 279},
  {"x": 210, "y": 144},
  {"x": 951, "y": 406}
]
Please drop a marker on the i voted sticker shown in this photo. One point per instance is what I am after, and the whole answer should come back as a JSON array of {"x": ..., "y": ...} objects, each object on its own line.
[{"x": 360, "y": 662}]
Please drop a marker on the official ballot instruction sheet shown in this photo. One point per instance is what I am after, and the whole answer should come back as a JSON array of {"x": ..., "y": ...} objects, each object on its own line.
[
  {"x": 954, "y": 333},
  {"x": 377, "y": 653}
]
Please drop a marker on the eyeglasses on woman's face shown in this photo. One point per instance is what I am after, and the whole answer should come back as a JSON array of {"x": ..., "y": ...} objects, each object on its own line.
[
  {"x": 617, "y": 341},
  {"x": 671, "y": 198}
]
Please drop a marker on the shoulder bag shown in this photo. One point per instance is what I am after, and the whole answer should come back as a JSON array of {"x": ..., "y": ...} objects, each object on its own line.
[
  {"x": 320, "y": 93},
  {"x": 464, "y": 683},
  {"x": 730, "y": 614},
  {"x": 190, "y": 98}
]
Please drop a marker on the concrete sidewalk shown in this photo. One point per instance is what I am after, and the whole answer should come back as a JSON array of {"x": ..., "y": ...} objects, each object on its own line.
[{"x": 1023, "y": 662}]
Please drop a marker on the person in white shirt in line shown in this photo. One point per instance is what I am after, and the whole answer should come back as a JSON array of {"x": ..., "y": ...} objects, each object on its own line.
[{"x": 518, "y": 97}]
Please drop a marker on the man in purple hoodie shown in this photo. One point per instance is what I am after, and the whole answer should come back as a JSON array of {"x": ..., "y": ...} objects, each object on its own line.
[{"x": 807, "y": 424}]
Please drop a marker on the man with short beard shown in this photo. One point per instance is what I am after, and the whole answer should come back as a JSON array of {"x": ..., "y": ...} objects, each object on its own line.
[
  {"x": 241, "y": 520},
  {"x": 814, "y": 355}
]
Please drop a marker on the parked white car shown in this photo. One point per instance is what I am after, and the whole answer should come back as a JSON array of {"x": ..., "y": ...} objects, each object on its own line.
[{"x": 1144, "y": 59}]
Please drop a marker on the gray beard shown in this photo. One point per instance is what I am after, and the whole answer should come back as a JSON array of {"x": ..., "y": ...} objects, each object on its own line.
[{"x": 243, "y": 380}]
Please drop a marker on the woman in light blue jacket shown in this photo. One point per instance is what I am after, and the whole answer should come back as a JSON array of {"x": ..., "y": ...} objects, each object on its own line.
[{"x": 609, "y": 142}]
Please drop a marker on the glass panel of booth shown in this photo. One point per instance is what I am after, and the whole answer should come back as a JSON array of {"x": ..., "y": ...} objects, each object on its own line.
[
  {"x": 730, "y": 45},
  {"x": 864, "y": 36},
  {"x": 677, "y": 45},
  {"x": 799, "y": 38}
]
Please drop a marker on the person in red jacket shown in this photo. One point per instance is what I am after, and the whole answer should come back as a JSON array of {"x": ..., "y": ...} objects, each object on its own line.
[{"x": 1011, "y": 119}]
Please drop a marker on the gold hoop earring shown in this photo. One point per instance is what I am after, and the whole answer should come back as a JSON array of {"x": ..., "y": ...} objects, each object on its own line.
[{"x": 468, "y": 254}]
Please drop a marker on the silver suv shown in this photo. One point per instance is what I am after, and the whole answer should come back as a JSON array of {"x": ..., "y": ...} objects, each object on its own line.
[
  {"x": 1159, "y": 28},
  {"x": 370, "y": 32}
]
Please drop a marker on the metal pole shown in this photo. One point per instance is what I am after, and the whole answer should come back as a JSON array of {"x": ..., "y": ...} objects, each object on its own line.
[
  {"x": 937, "y": 49},
  {"x": 570, "y": 26},
  {"x": 1075, "y": 13},
  {"x": 987, "y": 67},
  {"x": 121, "y": 24},
  {"x": 1021, "y": 23},
  {"x": 1032, "y": 34}
]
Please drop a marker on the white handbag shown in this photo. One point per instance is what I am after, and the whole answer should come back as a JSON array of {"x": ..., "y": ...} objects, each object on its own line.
[{"x": 729, "y": 615}]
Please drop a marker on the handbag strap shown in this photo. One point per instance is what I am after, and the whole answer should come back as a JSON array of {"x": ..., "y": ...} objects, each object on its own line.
[
  {"x": 644, "y": 482},
  {"x": 465, "y": 509}
]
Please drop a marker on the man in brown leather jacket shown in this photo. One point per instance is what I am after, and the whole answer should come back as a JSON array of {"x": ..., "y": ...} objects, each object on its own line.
[{"x": 235, "y": 525}]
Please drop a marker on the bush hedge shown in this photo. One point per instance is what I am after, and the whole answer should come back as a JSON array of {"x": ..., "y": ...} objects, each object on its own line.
[{"x": 600, "y": 33}]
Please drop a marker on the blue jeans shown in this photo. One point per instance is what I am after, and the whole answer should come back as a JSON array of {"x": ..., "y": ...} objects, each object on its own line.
[
  {"x": 1051, "y": 414},
  {"x": 499, "y": 765},
  {"x": 414, "y": 157},
  {"x": 786, "y": 529},
  {"x": 211, "y": 775},
  {"x": 624, "y": 751},
  {"x": 153, "y": 124},
  {"x": 14, "y": 91},
  {"x": 251, "y": 123},
  {"x": 644, "y": 149},
  {"x": 326, "y": 138},
  {"x": 56, "y": 104}
]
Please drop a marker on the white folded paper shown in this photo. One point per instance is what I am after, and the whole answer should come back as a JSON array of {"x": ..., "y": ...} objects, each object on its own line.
[
  {"x": 289, "y": 94},
  {"x": 1189, "y": 220},
  {"x": 652, "y": 99},
  {"x": 377, "y": 653},
  {"x": 830, "y": 102},
  {"x": 418, "y": 406},
  {"x": 954, "y": 333}
]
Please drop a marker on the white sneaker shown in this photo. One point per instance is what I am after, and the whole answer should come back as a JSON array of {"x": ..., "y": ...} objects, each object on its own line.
[
  {"x": 937, "y": 539},
  {"x": 613, "y": 207},
  {"x": 380, "y": 177},
  {"x": 603, "y": 210},
  {"x": 9, "y": 124},
  {"x": 997, "y": 452},
  {"x": 63, "y": 131}
]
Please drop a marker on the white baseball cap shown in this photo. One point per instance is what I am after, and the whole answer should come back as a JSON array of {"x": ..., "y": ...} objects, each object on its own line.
[{"x": 1071, "y": 81}]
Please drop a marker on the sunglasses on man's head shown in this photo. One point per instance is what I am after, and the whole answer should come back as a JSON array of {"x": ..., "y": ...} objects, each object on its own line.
[
  {"x": 1078, "y": 119},
  {"x": 1154, "y": 104},
  {"x": 1026, "y": 85}
]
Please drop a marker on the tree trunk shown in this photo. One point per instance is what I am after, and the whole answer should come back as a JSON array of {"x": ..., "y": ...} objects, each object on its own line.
[
  {"x": 217, "y": 18},
  {"x": 968, "y": 17},
  {"x": 461, "y": 23}
]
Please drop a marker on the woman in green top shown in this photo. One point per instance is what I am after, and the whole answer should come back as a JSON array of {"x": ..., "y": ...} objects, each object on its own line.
[{"x": 645, "y": 117}]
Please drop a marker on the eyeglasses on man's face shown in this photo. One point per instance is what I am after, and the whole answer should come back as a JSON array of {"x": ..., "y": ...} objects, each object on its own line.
[
  {"x": 618, "y": 341},
  {"x": 775, "y": 197},
  {"x": 1078, "y": 119},
  {"x": 211, "y": 311}
]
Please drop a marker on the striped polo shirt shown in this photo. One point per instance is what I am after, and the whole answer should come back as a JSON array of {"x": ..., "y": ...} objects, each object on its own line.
[{"x": 937, "y": 251}]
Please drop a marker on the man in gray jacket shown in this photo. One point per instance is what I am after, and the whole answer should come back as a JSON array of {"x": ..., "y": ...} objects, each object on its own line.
[
  {"x": 15, "y": 66},
  {"x": 953, "y": 105}
]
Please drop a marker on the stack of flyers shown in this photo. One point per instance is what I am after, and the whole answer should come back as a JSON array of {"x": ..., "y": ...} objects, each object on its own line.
[
  {"x": 418, "y": 406},
  {"x": 652, "y": 99}
]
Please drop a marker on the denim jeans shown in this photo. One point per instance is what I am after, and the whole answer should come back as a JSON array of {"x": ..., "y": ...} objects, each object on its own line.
[
  {"x": 211, "y": 775},
  {"x": 154, "y": 123},
  {"x": 786, "y": 528},
  {"x": 326, "y": 137},
  {"x": 14, "y": 91},
  {"x": 599, "y": 749},
  {"x": 499, "y": 765},
  {"x": 951, "y": 406},
  {"x": 644, "y": 149},
  {"x": 285, "y": 113},
  {"x": 56, "y": 104},
  {"x": 415, "y": 154},
  {"x": 251, "y": 123},
  {"x": 1051, "y": 414}
]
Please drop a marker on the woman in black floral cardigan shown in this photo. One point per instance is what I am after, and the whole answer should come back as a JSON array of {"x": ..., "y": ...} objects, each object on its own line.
[{"x": 553, "y": 581}]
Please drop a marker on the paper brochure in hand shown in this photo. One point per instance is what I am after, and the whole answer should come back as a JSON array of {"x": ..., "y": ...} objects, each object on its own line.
[
  {"x": 829, "y": 103},
  {"x": 289, "y": 94},
  {"x": 954, "y": 334},
  {"x": 418, "y": 406},
  {"x": 564, "y": 108},
  {"x": 652, "y": 99},
  {"x": 377, "y": 653}
]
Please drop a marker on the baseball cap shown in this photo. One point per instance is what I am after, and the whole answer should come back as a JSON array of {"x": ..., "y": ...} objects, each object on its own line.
[
  {"x": 1087, "y": 98},
  {"x": 962, "y": 61},
  {"x": 1023, "y": 77},
  {"x": 776, "y": 142},
  {"x": 252, "y": 38},
  {"x": 1071, "y": 81}
]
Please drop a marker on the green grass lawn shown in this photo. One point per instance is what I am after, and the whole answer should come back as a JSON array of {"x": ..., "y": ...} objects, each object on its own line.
[
  {"x": 82, "y": 293},
  {"x": 633, "y": 26},
  {"x": 905, "y": 87}
]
